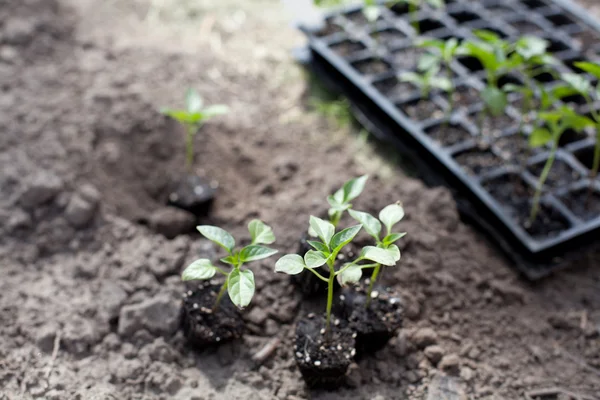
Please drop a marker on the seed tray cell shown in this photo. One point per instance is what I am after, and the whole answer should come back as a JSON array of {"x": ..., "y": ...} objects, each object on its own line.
[{"x": 454, "y": 145}]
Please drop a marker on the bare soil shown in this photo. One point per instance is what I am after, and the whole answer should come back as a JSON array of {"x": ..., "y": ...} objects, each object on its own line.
[{"x": 90, "y": 298}]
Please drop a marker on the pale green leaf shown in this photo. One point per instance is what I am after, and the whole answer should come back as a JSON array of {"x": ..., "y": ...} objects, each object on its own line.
[
  {"x": 577, "y": 82},
  {"x": 291, "y": 264},
  {"x": 255, "y": 252},
  {"x": 193, "y": 101},
  {"x": 539, "y": 137},
  {"x": 217, "y": 235},
  {"x": 314, "y": 259},
  {"x": 391, "y": 215},
  {"x": 395, "y": 251},
  {"x": 354, "y": 187},
  {"x": 199, "y": 269},
  {"x": 240, "y": 286},
  {"x": 589, "y": 67},
  {"x": 392, "y": 237},
  {"x": 323, "y": 229},
  {"x": 342, "y": 238},
  {"x": 214, "y": 110},
  {"x": 260, "y": 232},
  {"x": 318, "y": 246},
  {"x": 495, "y": 100},
  {"x": 350, "y": 275},
  {"x": 369, "y": 222},
  {"x": 379, "y": 255}
]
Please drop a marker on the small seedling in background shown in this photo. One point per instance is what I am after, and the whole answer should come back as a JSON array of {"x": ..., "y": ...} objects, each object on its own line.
[
  {"x": 556, "y": 123},
  {"x": 340, "y": 200},
  {"x": 192, "y": 118},
  {"x": 385, "y": 247},
  {"x": 325, "y": 252},
  {"x": 427, "y": 80},
  {"x": 239, "y": 283},
  {"x": 440, "y": 53}
]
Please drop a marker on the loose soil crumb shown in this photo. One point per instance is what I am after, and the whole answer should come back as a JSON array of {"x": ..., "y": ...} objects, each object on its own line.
[{"x": 90, "y": 310}]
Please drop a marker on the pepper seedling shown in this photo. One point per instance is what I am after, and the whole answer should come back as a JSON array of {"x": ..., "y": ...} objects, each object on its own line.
[
  {"x": 427, "y": 80},
  {"x": 556, "y": 123},
  {"x": 386, "y": 247},
  {"x": 340, "y": 200},
  {"x": 239, "y": 283},
  {"x": 192, "y": 118},
  {"x": 325, "y": 252},
  {"x": 440, "y": 53}
]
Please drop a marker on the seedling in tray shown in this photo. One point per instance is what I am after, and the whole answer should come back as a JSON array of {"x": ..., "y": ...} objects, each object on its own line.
[
  {"x": 324, "y": 348},
  {"x": 207, "y": 318}
]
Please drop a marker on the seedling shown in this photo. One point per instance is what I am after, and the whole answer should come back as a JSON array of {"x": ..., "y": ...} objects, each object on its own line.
[
  {"x": 440, "y": 54},
  {"x": 192, "y": 118},
  {"x": 340, "y": 200},
  {"x": 388, "y": 216},
  {"x": 325, "y": 252},
  {"x": 556, "y": 123},
  {"x": 239, "y": 283},
  {"x": 427, "y": 80}
]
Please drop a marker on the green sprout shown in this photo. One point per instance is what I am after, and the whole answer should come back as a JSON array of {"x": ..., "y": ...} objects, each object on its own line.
[
  {"x": 440, "y": 53},
  {"x": 427, "y": 80},
  {"x": 556, "y": 123},
  {"x": 192, "y": 118},
  {"x": 388, "y": 216},
  {"x": 583, "y": 87},
  {"x": 239, "y": 283},
  {"x": 325, "y": 252},
  {"x": 340, "y": 200}
]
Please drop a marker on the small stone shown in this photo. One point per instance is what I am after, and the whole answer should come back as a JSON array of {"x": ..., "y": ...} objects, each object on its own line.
[
  {"x": 159, "y": 315},
  {"x": 110, "y": 298},
  {"x": 467, "y": 374},
  {"x": 424, "y": 337},
  {"x": 19, "y": 31},
  {"x": 271, "y": 327},
  {"x": 257, "y": 316},
  {"x": 450, "y": 364},
  {"x": 40, "y": 188},
  {"x": 434, "y": 353},
  {"x": 45, "y": 338},
  {"x": 172, "y": 222},
  {"x": 79, "y": 212},
  {"x": 445, "y": 388}
]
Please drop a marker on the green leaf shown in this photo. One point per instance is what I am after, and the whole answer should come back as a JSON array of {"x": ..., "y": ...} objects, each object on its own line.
[
  {"x": 391, "y": 215},
  {"x": 392, "y": 237},
  {"x": 427, "y": 62},
  {"x": 217, "y": 235},
  {"x": 371, "y": 13},
  {"x": 487, "y": 36},
  {"x": 199, "y": 269},
  {"x": 441, "y": 82},
  {"x": 411, "y": 77},
  {"x": 369, "y": 222},
  {"x": 531, "y": 46},
  {"x": 260, "y": 232},
  {"x": 314, "y": 259},
  {"x": 232, "y": 259},
  {"x": 589, "y": 67},
  {"x": 318, "y": 246},
  {"x": 255, "y": 252},
  {"x": 214, "y": 110},
  {"x": 495, "y": 100},
  {"x": 379, "y": 255},
  {"x": 539, "y": 137},
  {"x": 431, "y": 43},
  {"x": 337, "y": 206},
  {"x": 354, "y": 187},
  {"x": 344, "y": 237},
  {"x": 193, "y": 101},
  {"x": 240, "y": 285},
  {"x": 291, "y": 264},
  {"x": 183, "y": 116},
  {"x": 350, "y": 275},
  {"x": 393, "y": 249},
  {"x": 323, "y": 229},
  {"x": 436, "y": 3},
  {"x": 577, "y": 82},
  {"x": 449, "y": 50}
]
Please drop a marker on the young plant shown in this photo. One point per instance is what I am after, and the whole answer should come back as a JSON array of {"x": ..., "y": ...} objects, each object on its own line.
[
  {"x": 427, "y": 80},
  {"x": 340, "y": 200},
  {"x": 239, "y": 283},
  {"x": 388, "y": 216},
  {"x": 192, "y": 118},
  {"x": 440, "y": 53},
  {"x": 325, "y": 252},
  {"x": 556, "y": 123}
]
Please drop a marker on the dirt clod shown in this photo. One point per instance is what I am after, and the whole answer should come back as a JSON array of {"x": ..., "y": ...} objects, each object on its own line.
[{"x": 159, "y": 315}]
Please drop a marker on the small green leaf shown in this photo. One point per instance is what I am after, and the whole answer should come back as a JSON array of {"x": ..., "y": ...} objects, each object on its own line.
[
  {"x": 291, "y": 264},
  {"x": 495, "y": 100},
  {"x": 539, "y": 137},
  {"x": 441, "y": 82},
  {"x": 371, "y": 13},
  {"x": 232, "y": 259},
  {"x": 395, "y": 251},
  {"x": 428, "y": 61},
  {"x": 411, "y": 77},
  {"x": 193, "y": 101},
  {"x": 392, "y": 237},
  {"x": 199, "y": 269},
  {"x": 314, "y": 259},
  {"x": 255, "y": 252},
  {"x": 318, "y": 246},
  {"x": 354, "y": 187},
  {"x": 577, "y": 82},
  {"x": 323, "y": 229},
  {"x": 214, "y": 110},
  {"x": 342, "y": 238},
  {"x": 337, "y": 206},
  {"x": 379, "y": 255},
  {"x": 449, "y": 49},
  {"x": 391, "y": 215},
  {"x": 436, "y": 3},
  {"x": 350, "y": 275},
  {"x": 260, "y": 232},
  {"x": 183, "y": 116},
  {"x": 369, "y": 222},
  {"x": 531, "y": 46},
  {"x": 217, "y": 235},
  {"x": 589, "y": 67},
  {"x": 240, "y": 285}
]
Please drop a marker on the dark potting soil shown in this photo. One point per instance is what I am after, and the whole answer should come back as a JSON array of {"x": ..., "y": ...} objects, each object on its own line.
[
  {"x": 323, "y": 361},
  {"x": 465, "y": 96},
  {"x": 376, "y": 324},
  {"x": 387, "y": 36},
  {"x": 584, "y": 203},
  {"x": 194, "y": 194},
  {"x": 347, "y": 47},
  {"x": 406, "y": 59},
  {"x": 478, "y": 161},
  {"x": 422, "y": 109},
  {"x": 493, "y": 126},
  {"x": 515, "y": 148},
  {"x": 204, "y": 327},
  {"x": 526, "y": 27},
  {"x": 329, "y": 29},
  {"x": 371, "y": 67},
  {"x": 515, "y": 195},
  {"x": 586, "y": 39},
  {"x": 448, "y": 135},
  {"x": 561, "y": 173},
  {"x": 395, "y": 89}
]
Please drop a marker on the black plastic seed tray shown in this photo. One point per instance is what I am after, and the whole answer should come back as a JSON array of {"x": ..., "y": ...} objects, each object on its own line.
[{"x": 491, "y": 172}]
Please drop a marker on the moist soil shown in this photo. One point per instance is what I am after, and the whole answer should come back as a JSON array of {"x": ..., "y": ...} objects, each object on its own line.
[
  {"x": 371, "y": 67},
  {"x": 584, "y": 203},
  {"x": 205, "y": 326},
  {"x": 561, "y": 173},
  {"x": 421, "y": 110},
  {"x": 323, "y": 358},
  {"x": 406, "y": 59},
  {"x": 376, "y": 324},
  {"x": 478, "y": 162},
  {"x": 465, "y": 96},
  {"x": 194, "y": 194},
  {"x": 526, "y": 27},
  {"x": 448, "y": 135},
  {"x": 90, "y": 300},
  {"x": 395, "y": 89},
  {"x": 347, "y": 47}
]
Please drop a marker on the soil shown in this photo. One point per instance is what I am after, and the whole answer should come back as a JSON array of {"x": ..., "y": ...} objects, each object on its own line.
[
  {"x": 388, "y": 36},
  {"x": 347, "y": 47},
  {"x": 586, "y": 39},
  {"x": 448, "y": 135},
  {"x": 371, "y": 67},
  {"x": 202, "y": 325},
  {"x": 194, "y": 194},
  {"x": 561, "y": 174},
  {"x": 90, "y": 299},
  {"x": 493, "y": 126},
  {"x": 406, "y": 59},
  {"x": 395, "y": 89},
  {"x": 374, "y": 325},
  {"x": 329, "y": 29},
  {"x": 478, "y": 162},
  {"x": 515, "y": 148},
  {"x": 323, "y": 359},
  {"x": 421, "y": 110},
  {"x": 465, "y": 96},
  {"x": 526, "y": 27},
  {"x": 584, "y": 203}
]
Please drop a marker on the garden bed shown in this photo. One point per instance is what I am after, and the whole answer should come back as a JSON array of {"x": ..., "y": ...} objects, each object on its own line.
[{"x": 485, "y": 169}]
